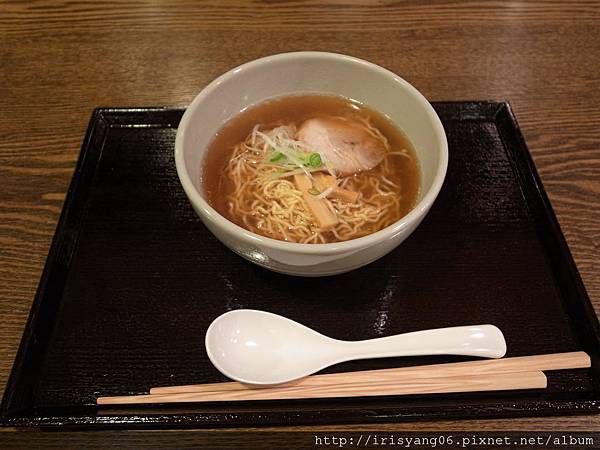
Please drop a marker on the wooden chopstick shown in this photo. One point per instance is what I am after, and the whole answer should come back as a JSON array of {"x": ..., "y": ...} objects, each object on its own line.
[
  {"x": 523, "y": 372},
  {"x": 433, "y": 385},
  {"x": 556, "y": 361}
]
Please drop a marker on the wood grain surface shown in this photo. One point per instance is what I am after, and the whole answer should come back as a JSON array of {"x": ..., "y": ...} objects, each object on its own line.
[{"x": 61, "y": 59}]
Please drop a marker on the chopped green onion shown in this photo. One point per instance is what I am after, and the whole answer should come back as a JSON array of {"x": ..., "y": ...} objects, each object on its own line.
[
  {"x": 313, "y": 191},
  {"x": 277, "y": 156},
  {"x": 314, "y": 160}
]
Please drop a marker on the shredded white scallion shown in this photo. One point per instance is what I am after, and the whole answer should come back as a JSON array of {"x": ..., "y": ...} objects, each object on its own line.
[
  {"x": 326, "y": 192},
  {"x": 294, "y": 155}
]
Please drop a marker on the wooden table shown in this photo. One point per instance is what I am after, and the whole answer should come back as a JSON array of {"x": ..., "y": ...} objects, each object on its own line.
[{"x": 59, "y": 60}]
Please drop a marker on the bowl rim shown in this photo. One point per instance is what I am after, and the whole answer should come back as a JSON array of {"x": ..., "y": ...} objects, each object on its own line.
[{"x": 209, "y": 213}]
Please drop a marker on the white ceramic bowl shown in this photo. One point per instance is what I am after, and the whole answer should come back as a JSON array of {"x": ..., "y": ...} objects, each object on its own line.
[{"x": 310, "y": 72}]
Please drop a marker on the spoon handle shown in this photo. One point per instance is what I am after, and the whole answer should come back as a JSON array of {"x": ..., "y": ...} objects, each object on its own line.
[{"x": 476, "y": 340}]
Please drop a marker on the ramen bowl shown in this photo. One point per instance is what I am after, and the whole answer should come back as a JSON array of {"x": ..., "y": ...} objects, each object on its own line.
[{"x": 315, "y": 73}]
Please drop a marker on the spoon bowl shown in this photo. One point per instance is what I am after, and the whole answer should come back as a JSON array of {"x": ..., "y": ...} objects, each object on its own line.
[{"x": 258, "y": 347}]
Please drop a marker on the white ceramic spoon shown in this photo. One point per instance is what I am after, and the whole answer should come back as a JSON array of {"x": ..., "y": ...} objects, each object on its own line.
[{"x": 258, "y": 347}]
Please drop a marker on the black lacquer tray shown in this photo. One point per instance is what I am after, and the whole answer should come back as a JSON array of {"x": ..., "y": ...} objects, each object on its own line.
[{"x": 133, "y": 279}]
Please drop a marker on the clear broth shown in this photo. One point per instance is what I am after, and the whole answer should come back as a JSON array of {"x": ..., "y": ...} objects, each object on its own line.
[{"x": 296, "y": 109}]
